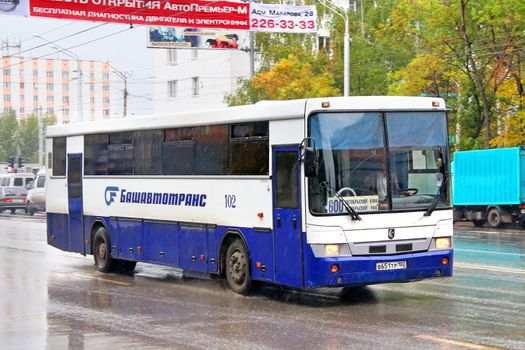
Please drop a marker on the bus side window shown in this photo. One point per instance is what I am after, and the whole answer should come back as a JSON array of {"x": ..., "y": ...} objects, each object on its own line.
[{"x": 59, "y": 156}]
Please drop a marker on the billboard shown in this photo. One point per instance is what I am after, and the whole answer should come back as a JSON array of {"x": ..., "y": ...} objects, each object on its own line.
[
  {"x": 185, "y": 13},
  {"x": 196, "y": 38},
  {"x": 14, "y": 7}
]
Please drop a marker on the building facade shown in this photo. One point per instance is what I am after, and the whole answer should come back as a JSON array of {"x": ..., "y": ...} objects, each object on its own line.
[
  {"x": 192, "y": 79},
  {"x": 71, "y": 90}
]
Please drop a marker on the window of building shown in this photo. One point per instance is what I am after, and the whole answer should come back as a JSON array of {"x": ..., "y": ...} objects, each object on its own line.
[
  {"x": 7, "y": 97},
  {"x": 49, "y": 74},
  {"x": 65, "y": 111},
  {"x": 172, "y": 89},
  {"x": 194, "y": 54},
  {"x": 59, "y": 156},
  {"x": 7, "y": 109},
  {"x": 65, "y": 100},
  {"x": 105, "y": 76},
  {"x": 21, "y": 72},
  {"x": 22, "y": 97},
  {"x": 22, "y": 110},
  {"x": 35, "y": 86},
  {"x": 195, "y": 86},
  {"x": 172, "y": 56},
  {"x": 50, "y": 111},
  {"x": 50, "y": 98},
  {"x": 65, "y": 87},
  {"x": 105, "y": 112},
  {"x": 49, "y": 86},
  {"x": 91, "y": 76},
  {"x": 35, "y": 74},
  {"x": 22, "y": 86},
  {"x": 105, "y": 100},
  {"x": 7, "y": 72},
  {"x": 7, "y": 85},
  {"x": 91, "y": 87},
  {"x": 92, "y": 100},
  {"x": 65, "y": 75},
  {"x": 35, "y": 98},
  {"x": 105, "y": 88}
]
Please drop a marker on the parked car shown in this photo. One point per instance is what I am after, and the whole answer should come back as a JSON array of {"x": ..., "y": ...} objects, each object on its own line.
[
  {"x": 36, "y": 194},
  {"x": 16, "y": 179},
  {"x": 12, "y": 198}
]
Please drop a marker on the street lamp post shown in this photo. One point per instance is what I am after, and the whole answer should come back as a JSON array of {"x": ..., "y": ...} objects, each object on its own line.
[
  {"x": 79, "y": 70},
  {"x": 347, "y": 40}
]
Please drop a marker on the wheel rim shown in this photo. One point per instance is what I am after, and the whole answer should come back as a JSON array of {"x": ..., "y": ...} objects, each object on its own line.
[
  {"x": 101, "y": 253},
  {"x": 237, "y": 267},
  {"x": 494, "y": 218}
]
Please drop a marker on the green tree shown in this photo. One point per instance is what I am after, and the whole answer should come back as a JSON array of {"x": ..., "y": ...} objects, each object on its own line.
[
  {"x": 8, "y": 135},
  {"x": 28, "y": 131}
]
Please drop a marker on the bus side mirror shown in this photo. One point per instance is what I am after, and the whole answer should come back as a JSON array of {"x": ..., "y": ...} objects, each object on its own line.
[{"x": 311, "y": 162}]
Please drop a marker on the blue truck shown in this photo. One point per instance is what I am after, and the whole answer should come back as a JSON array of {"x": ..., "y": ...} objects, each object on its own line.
[{"x": 489, "y": 186}]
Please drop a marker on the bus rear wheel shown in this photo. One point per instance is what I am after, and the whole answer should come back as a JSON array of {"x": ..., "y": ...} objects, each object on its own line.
[
  {"x": 101, "y": 251},
  {"x": 238, "y": 273}
]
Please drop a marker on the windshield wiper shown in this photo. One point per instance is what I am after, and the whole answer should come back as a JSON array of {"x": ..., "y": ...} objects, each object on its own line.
[
  {"x": 351, "y": 211},
  {"x": 435, "y": 201}
]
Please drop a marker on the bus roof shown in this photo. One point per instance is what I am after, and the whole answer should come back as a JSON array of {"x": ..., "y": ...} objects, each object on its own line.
[{"x": 263, "y": 110}]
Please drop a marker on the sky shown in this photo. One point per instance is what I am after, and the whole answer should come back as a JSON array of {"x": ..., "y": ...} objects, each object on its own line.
[{"x": 124, "y": 47}]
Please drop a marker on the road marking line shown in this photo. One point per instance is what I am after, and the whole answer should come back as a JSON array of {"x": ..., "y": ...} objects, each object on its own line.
[
  {"x": 102, "y": 279},
  {"x": 487, "y": 252},
  {"x": 456, "y": 342},
  {"x": 490, "y": 268}
]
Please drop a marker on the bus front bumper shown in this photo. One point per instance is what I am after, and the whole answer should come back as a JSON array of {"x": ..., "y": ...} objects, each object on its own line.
[{"x": 363, "y": 270}]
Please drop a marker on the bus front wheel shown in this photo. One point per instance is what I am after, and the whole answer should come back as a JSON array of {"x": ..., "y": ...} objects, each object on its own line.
[
  {"x": 101, "y": 250},
  {"x": 238, "y": 273}
]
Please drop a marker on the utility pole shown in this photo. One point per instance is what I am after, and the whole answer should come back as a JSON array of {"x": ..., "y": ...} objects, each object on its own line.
[
  {"x": 124, "y": 76},
  {"x": 347, "y": 40}
]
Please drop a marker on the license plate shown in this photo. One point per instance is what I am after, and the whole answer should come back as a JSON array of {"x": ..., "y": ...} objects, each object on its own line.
[
  {"x": 393, "y": 265},
  {"x": 18, "y": 200}
]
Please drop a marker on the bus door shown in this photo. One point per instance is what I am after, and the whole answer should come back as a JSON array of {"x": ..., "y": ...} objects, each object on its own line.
[
  {"x": 287, "y": 216},
  {"x": 74, "y": 195}
]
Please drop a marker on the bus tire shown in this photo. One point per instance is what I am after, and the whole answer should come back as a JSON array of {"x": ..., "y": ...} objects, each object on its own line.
[
  {"x": 238, "y": 273},
  {"x": 494, "y": 218},
  {"x": 102, "y": 251}
]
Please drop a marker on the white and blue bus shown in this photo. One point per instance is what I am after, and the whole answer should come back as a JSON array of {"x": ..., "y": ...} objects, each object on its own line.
[{"x": 324, "y": 192}]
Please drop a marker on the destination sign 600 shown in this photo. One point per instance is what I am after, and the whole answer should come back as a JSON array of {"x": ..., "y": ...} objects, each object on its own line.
[{"x": 284, "y": 18}]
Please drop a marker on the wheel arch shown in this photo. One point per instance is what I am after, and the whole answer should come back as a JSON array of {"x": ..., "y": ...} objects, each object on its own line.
[
  {"x": 95, "y": 225},
  {"x": 229, "y": 236}
]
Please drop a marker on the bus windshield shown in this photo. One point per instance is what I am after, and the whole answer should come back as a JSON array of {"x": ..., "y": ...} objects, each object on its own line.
[{"x": 379, "y": 161}]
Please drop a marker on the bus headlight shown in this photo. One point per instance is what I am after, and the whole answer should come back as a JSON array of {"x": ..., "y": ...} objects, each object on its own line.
[
  {"x": 332, "y": 249},
  {"x": 443, "y": 243}
]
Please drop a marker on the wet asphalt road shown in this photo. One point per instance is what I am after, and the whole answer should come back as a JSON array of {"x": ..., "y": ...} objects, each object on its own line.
[{"x": 56, "y": 300}]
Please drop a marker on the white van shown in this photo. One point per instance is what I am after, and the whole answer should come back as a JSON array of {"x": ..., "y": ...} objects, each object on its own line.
[
  {"x": 36, "y": 194},
  {"x": 16, "y": 179}
]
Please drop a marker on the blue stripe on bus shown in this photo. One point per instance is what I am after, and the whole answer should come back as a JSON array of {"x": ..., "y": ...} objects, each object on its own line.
[{"x": 181, "y": 245}]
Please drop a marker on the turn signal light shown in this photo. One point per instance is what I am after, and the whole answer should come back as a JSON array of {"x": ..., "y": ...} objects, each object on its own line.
[
  {"x": 334, "y": 268},
  {"x": 258, "y": 264},
  {"x": 260, "y": 215},
  {"x": 444, "y": 261}
]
